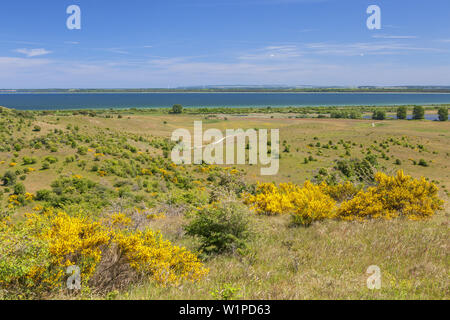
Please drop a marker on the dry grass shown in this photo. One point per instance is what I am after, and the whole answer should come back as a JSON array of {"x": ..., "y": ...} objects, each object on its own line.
[{"x": 325, "y": 261}]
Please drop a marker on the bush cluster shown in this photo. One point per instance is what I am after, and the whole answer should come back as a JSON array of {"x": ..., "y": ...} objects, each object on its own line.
[
  {"x": 392, "y": 196},
  {"x": 110, "y": 253}
]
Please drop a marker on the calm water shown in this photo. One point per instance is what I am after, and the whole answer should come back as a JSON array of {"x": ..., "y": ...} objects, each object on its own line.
[
  {"x": 159, "y": 100},
  {"x": 432, "y": 117}
]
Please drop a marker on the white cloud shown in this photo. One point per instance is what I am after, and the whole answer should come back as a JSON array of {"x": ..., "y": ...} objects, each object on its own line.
[
  {"x": 273, "y": 52},
  {"x": 371, "y": 48},
  {"x": 10, "y": 63},
  {"x": 385, "y": 36},
  {"x": 33, "y": 52}
]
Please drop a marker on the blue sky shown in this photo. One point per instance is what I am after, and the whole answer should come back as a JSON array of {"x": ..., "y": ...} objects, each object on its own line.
[{"x": 170, "y": 43}]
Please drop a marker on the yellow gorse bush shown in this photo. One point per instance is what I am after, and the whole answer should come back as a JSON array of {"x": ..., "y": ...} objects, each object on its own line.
[
  {"x": 311, "y": 204},
  {"x": 13, "y": 200},
  {"x": 57, "y": 240},
  {"x": 270, "y": 199},
  {"x": 149, "y": 253},
  {"x": 394, "y": 196},
  {"x": 70, "y": 241},
  {"x": 341, "y": 191},
  {"x": 29, "y": 196},
  {"x": 120, "y": 220},
  {"x": 306, "y": 204}
]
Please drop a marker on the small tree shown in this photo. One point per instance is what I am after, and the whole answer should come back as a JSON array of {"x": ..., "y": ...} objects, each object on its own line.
[
  {"x": 177, "y": 109},
  {"x": 401, "y": 113},
  {"x": 443, "y": 113},
  {"x": 379, "y": 115},
  {"x": 418, "y": 113}
]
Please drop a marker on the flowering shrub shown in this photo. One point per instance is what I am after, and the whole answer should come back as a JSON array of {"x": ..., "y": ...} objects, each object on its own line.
[
  {"x": 271, "y": 200},
  {"x": 18, "y": 200},
  {"x": 36, "y": 254},
  {"x": 395, "y": 196},
  {"x": 311, "y": 204},
  {"x": 147, "y": 252},
  {"x": 120, "y": 219},
  {"x": 341, "y": 191},
  {"x": 306, "y": 204}
]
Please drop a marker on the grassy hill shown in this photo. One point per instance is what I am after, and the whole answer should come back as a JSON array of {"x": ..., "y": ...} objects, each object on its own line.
[{"x": 92, "y": 166}]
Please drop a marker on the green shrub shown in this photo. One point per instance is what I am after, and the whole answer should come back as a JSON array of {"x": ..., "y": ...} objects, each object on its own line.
[
  {"x": 19, "y": 189},
  {"x": 45, "y": 166},
  {"x": 401, "y": 113},
  {"x": 379, "y": 115},
  {"x": 177, "y": 109},
  {"x": 20, "y": 253},
  {"x": 9, "y": 178},
  {"x": 222, "y": 227},
  {"x": 43, "y": 195},
  {"x": 82, "y": 150},
  {"x": 423, "y": 163},
  {"x": 17, "y": 147},
  {"x": 50, "y": 159},
  {"x": 29, "y": 160},
  {"x": 418, "y": 113},
  {"x": 443, "y": 113},
  {"x": 357, "y": 169}
]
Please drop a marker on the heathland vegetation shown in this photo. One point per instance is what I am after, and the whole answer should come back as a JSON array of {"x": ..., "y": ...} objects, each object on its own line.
[{"x": 97, "y": 190}]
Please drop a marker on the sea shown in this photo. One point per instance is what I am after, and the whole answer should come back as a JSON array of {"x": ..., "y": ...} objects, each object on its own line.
[{"x": 67, "y": 101}]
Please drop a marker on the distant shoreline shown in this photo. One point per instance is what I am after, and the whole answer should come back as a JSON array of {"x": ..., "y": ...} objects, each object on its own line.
[
  {"x": 432, "y": 90},
  {"x": 234, "y": 92}
]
